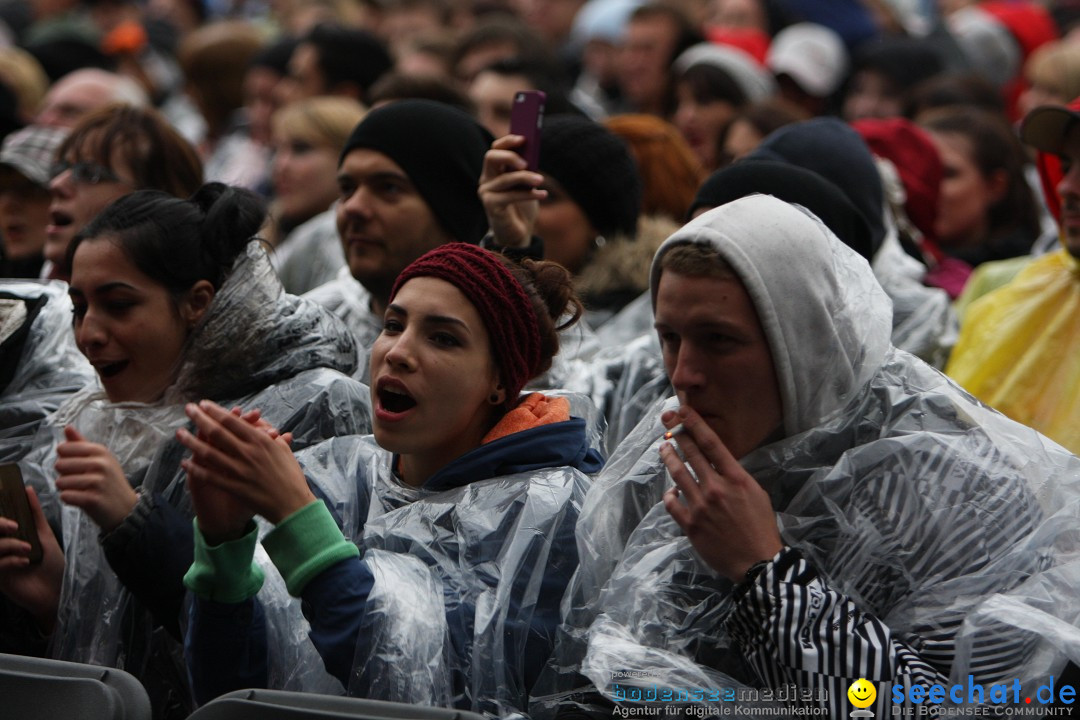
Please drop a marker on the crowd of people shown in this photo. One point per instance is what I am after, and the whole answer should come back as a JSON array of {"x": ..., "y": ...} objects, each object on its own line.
[{"x": 759, "y": 382}]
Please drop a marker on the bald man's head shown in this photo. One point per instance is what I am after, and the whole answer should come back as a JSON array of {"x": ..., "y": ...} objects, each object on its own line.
[{"x": 79, "y": 93}]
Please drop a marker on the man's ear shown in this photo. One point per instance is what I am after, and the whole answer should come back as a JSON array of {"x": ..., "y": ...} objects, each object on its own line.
[{"x": 196, "y": 302}]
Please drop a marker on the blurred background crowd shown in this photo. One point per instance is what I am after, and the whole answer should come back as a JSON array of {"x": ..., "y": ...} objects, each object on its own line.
[{"x": 690, "y": 84}]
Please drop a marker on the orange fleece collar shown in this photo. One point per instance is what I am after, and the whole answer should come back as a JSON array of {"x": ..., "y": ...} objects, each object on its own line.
[{"x": 533, "y": 411}]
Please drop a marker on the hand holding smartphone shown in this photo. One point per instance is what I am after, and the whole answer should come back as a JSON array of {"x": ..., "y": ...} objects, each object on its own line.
[
  {"x": 510, "y": 193},
  {"x": 526, "y": 119},
  {"x": 15, "y": 506}
]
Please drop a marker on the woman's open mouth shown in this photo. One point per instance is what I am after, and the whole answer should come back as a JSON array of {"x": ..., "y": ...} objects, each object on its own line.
[
  {"x": 393, "y": 401},
  {"x": 110, "y": 369},
  {"x": 58, "y": 220}
]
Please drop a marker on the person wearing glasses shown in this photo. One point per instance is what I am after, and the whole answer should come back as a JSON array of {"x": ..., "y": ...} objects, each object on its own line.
[{"x": 112, "y": 152}]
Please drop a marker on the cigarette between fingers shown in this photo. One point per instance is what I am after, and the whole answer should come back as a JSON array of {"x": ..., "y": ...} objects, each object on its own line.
[{"x": 677, "y": 430}]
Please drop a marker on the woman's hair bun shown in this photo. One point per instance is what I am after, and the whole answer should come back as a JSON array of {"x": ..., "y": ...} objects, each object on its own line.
[
  {"x": 207, "y": 195},
  {"x": 555, "y": 287},
  {"x": 232, "y": 216}
]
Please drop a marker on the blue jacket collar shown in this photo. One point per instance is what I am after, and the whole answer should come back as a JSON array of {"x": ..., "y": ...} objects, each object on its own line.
[{"x": 554, "y": 445}]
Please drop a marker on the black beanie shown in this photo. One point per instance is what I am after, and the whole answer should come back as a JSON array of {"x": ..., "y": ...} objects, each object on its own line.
[
  {"x": 792, "y": 184},
  {"x": 441, "y": 149},
  {"x": 831, "y": 148},
  {"x": 596, "y": 169}
]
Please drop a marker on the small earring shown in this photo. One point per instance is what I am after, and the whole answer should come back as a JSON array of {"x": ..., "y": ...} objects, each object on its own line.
[
  {"x": 599, "y": 241},
  {"x": 493, "y": 398}
]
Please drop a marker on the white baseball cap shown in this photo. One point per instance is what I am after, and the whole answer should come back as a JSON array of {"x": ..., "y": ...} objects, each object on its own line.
[{"x": 810, "y": 54}]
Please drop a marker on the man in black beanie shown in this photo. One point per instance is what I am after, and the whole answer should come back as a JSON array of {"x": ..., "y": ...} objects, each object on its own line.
[{"x": 408, "y": 176}]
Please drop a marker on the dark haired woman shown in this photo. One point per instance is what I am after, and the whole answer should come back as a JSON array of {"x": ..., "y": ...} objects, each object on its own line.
[
  {"x": 173, "y": 300},
  {"x": 714, "y": 83},
  {"x": 987, "y": 209},
  {"x": 582, "y": 210},
  {"x": 466, "y": 498}
]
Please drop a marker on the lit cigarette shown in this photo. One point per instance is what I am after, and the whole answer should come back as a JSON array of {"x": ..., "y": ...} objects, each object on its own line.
[{"x": 673, "y": 432}]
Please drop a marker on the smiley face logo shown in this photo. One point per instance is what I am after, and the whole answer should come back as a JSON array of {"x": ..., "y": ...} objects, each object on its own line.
[{"x": 862, "y": 693}]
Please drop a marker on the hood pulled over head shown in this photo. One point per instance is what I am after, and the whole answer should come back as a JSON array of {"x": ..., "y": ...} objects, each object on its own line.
[{"x": 827, "y": 320}]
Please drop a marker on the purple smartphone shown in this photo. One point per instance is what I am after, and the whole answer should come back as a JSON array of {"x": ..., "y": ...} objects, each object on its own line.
[{"x": 526, "y": 119}]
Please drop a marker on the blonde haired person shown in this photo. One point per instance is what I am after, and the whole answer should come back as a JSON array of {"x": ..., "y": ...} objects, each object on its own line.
[
  {"x": 307, "y": 137},
  {"x": 26, "y": 78}
]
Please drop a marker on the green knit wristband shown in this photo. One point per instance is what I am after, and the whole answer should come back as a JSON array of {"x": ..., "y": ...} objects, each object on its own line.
[
  {"x": 227, "y": 572},
  {"x": 306, "y": 543}
]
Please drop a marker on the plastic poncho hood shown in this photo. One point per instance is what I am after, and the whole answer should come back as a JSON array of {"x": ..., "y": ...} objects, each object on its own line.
[
  {"x": 827, "y": 320},
  {"x": 40, "y": 366}
]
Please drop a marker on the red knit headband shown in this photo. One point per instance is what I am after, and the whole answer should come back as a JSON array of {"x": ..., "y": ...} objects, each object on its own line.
[{"x": 502, "y": 302}]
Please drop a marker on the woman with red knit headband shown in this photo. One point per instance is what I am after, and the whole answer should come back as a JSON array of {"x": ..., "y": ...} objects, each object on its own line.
[{"x": 438, "y": 580}]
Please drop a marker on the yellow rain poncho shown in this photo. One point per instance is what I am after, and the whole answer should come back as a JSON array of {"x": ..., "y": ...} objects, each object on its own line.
[{"x": 1019, "y": 349}]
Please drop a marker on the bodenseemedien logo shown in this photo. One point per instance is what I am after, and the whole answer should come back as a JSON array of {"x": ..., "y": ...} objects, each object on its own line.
[{"x": 862, "y": 695}]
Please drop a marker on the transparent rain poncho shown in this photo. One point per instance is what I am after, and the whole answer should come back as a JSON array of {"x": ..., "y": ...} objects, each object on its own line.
[
  {"x": 257, "y": 348},
  {"x": 310, "y": 255},
  {"x": 350, "y": 301},
  {"x": 468, "y": 578},
  {"x": 624, "y": 374},
  {"x": 625, "y": 378},
  {"x": 45, "y": 366},
  {"x": 939, "y": 519},
  {"x": 924, "y": 323},
  {"x": 578, "y": 345}
]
